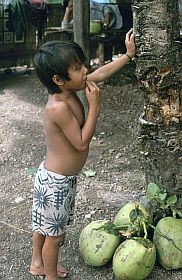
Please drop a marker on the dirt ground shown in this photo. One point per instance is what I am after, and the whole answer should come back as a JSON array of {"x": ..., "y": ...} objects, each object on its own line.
[{"x": 114, "y": 156}]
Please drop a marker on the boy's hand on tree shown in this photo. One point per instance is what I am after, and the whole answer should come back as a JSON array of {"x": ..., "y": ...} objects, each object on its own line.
[
  {"x": 93, "y": 94},
  {"x": 130, "y": 44}
]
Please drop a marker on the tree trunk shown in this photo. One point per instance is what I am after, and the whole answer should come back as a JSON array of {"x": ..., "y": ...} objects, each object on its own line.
[{"x": 156, "y": 26}]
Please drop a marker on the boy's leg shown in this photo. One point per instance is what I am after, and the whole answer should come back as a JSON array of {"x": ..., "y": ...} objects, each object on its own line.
[
  {"x": 50, "y": 253},
  {"x": 37, "y": 266}
]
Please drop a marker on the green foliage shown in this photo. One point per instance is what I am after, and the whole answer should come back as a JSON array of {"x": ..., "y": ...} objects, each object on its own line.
[
  {"x": 163, "y": 200},
  {"x": 137, "y": 225},
  {"x": 133, "y": 220},
  {"x": 110, "y": 228}
]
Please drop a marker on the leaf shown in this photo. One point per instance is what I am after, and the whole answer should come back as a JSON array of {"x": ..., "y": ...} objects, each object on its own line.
[
  {"x": 133, "y": 215},
  {"x": 140, "y": 213},
  {"x": 163, "y": 206},
  {"x": 152, "y": 191},
  {"x": 162, "y": 196},
  {"x": 171, "y": 200},
  {"x": 31, "y": 171},
  {"x": 109, "y": 227},
  {"x": 89, "y": 173}
]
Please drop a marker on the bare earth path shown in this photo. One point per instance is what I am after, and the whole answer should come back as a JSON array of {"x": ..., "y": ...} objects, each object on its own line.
[{"x": 114, "y": 156}]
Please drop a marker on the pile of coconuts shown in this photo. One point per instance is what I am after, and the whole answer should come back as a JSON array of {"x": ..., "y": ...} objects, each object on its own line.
[{"x": 133, "y": 242}]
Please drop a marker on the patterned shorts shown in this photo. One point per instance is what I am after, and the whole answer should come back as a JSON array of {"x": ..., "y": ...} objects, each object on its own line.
[{"x": 53, "y": 202}]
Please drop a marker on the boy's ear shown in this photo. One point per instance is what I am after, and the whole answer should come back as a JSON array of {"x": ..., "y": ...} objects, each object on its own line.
[{"x": 57, "y": 80}]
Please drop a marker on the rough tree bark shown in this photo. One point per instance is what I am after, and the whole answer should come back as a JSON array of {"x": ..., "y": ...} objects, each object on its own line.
[{"x": 159, "y": 73}]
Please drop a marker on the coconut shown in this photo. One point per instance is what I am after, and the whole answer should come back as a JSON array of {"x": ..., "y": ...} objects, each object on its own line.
[
  {"x": 134, "y": 259},
  {"x": 98, "y": 242},
  {"x": 132, "y": 218},
  {"x": 168, "y": 241}
]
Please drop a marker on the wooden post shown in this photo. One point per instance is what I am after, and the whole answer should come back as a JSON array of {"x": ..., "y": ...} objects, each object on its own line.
[{"x": 81, "y": 26}]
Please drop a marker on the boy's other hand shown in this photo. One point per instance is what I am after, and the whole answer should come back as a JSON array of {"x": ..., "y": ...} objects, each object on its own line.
[
  {"x": 130, "y": 44},
  {"x": 93, "y": 94}
]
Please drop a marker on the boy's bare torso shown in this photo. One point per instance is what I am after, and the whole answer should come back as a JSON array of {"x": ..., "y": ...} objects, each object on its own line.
[{"x": 62, "y": 157}]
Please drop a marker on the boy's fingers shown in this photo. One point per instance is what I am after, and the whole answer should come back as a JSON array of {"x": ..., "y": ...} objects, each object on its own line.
[
  {"x": 129, "y": 34},
  {"x": 89, "y": 84},
  {"x": 132, "y": 37},
  {"x": 92, "y": 85},
  {"x": 130, "y": 31}
]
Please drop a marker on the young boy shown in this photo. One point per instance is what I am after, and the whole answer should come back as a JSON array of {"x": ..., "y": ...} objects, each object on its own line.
[{"x": 60, "y": 67}]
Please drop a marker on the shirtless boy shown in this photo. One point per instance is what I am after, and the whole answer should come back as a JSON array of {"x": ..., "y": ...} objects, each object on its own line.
[{"x": 60, "y": 67}]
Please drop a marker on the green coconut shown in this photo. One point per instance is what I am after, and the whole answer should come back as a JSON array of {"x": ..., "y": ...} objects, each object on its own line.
[
  {"x": 133, "y": 218},
  {"x": 134, "y": 259},
  {"x": 168, "y": 241},
  {"x": 98, "y": 244}
]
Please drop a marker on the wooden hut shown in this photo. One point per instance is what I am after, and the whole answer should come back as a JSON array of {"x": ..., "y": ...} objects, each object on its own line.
[{"x": 18, "y": 48}]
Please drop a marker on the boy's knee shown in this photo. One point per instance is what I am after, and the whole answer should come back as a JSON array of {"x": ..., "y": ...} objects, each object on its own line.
[{"x": 57, "y": 239}]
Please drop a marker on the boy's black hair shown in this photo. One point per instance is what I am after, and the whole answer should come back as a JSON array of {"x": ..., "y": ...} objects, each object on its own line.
[{"x": 54, "y": 58}]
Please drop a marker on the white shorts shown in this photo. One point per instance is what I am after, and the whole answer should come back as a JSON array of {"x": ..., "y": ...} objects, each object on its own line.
[{"x": 53, "y": 202}]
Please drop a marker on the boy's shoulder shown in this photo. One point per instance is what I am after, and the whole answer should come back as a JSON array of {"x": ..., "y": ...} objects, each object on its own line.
[
  {"x": 56, "y": 106},
  {"x": 53, "y": 104}
]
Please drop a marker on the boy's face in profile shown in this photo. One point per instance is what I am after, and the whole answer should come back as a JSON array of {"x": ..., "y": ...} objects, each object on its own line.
[{"x": 78, "y": 76}]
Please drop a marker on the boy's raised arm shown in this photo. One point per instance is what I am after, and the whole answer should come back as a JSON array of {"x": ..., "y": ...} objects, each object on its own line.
[{"x": 107, "y": 70}]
